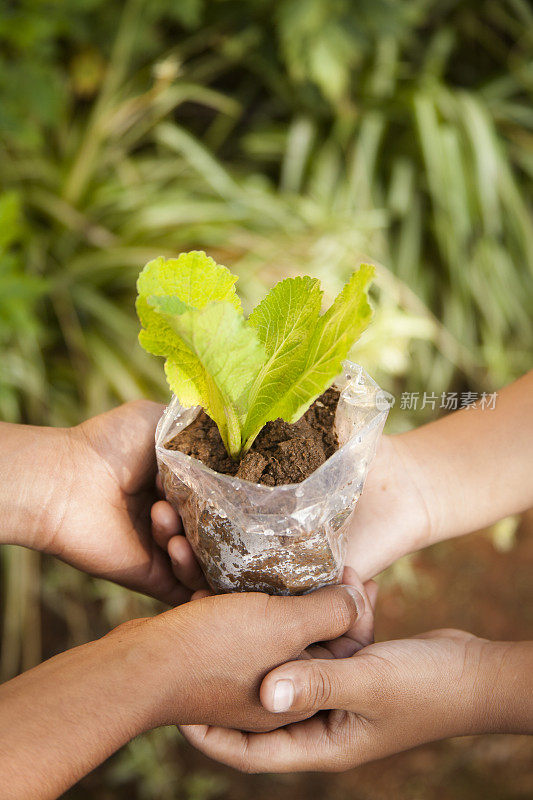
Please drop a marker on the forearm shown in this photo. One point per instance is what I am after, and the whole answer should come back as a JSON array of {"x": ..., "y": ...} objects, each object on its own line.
[
  {"x": 63, "y": 718},
  {"x": 473, "y": 467},
  {"x": 34, "y": 480}
]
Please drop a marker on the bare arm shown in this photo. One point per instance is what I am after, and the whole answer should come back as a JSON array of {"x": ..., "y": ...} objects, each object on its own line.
[
  {"x": 198, "y": 663},
  {"x": 66, "y": 716},
  {"x": 475, "y": 466},
  {"x": 450, "y": 477}
]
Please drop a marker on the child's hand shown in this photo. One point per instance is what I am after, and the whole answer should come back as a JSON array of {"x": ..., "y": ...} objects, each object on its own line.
[
  {"x": 167, "y": 530},
  {"x": 211, "y": 655},
  {"x": 453, "y": 476},
  {"x": 202, "y": 662},
  {"x": 392, "y": 696},
  {"x": 84, "y": 495},
  {"x": 391, "y": 517}
]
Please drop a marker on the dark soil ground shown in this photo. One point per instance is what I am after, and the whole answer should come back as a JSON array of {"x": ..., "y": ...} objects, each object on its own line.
[
  {"x": 282, "y": 453},
  {"x": 465, "y": 584}
]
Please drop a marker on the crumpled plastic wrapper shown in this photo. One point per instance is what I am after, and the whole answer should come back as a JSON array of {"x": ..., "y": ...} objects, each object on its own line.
[{"x": 283, "y": 539}]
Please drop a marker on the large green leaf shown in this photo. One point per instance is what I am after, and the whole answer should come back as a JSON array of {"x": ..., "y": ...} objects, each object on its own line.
[
  {"x": 227, "y": 355},
  {"x": 334, "y": 335},
  {"x": 195, "y": 279},
  {"x": 284, "y": 321},
  {"x": 245, "y": 373}
]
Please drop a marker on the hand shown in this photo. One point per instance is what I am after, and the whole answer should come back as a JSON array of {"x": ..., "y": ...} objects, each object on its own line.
[
  {"x": 458, "y": 474},
  {"x": 84, "y": 495},
  {"x": 391, "y": 696},
  {"x": 201, "y": 662},
  {"x": 223, "y": 646},
  {"x": 391, "y": 517}
]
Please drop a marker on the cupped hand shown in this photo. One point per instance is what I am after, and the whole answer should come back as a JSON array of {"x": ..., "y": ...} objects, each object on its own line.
[
  {"x": 101, "y": 522},
  {"x": 391, "y": 517},
  {"x": 387, "y": 697}
]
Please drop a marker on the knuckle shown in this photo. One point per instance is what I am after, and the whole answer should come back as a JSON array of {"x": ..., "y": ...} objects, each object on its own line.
[
  {"x": 138, "y": 405},
  {"x": 343, "y": 610},
  {"x": 318, "y": 685},
  {"x": 452, "y": 633}
]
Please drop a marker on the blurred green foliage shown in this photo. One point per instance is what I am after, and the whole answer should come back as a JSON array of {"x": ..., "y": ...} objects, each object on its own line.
[
  {"x": 293, "y": 136},
  {"x": 285, "y": 137}
]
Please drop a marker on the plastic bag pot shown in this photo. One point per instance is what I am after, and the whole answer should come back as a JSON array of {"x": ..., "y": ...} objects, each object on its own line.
[{"x": 283, "y": 539}]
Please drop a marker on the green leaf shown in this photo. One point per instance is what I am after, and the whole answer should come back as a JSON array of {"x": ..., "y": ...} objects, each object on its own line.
[
  {"x": 334, "y": 335},
  {"x": 284, "y": 321},
  {"x": 10, "y": 220},
  {"x": 245, "y": 373},
  {"x": 196, "y": 280},
  {"x": 227, "y": 355}
]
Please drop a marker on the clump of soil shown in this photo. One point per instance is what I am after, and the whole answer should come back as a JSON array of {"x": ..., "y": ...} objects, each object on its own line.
[{"x": 282, "y": 453}]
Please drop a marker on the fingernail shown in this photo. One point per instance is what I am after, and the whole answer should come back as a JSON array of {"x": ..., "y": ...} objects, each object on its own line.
[
  {"x": 357, "y": 598},
  {"x": 283, "y": 696}
]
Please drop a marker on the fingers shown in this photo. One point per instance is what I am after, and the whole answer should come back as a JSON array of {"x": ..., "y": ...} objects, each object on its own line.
[
  {"x": 184, "y": 563},
  {"x": 167, "y": 530},
  {"x": 312, "y": 685},
  {"x": 313, "y": 745},
  {"x": 166, "y": 523},
  {"x": 160, "y": 581},
  {"x": 201, "y": 594},
  {"x": 270, "y": 751},
  {"x": 361, "y": 634}
]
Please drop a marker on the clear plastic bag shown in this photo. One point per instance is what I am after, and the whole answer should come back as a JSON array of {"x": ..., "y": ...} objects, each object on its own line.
[{"x": 284, "y": 539}]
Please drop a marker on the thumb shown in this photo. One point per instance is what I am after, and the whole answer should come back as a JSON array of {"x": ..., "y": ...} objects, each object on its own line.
[
  {"x": 320, "y": 615},
  {"x": 308, "y": 686}
]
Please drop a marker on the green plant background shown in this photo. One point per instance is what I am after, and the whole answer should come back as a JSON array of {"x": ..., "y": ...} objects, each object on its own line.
[{"x": 284, "y": 137}]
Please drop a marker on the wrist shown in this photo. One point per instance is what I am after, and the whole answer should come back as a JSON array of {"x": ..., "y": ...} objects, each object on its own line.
[
  {"x": 415, "y": 495},
  {"x": 490, "y": 690},
  {"x": 34, "y": 485},
  {"x": 154, "y": 651},
  {"x": 428, "y": 487},
  {"x": 391, "y": 516},
  {"x": 150, "y": 672},
  {"x": 505, "y": 687}
]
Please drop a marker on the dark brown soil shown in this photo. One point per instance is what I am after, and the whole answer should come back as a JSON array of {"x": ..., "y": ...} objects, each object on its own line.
[{"x": 282, "y": 453}]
